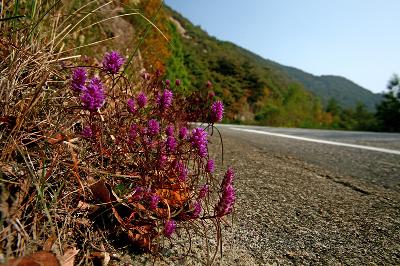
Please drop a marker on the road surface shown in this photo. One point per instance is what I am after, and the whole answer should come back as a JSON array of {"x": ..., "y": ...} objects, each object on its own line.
[
  {"x": 308, "y": 197},
  {"x": 365, "y": 155}
]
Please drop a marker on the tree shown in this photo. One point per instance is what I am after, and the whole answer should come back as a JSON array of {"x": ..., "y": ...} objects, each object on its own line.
[{"x": 388, "y": 111}]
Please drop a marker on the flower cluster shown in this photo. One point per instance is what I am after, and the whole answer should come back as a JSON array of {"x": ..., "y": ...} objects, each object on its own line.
[
  {"x": 144, "y": 131},
  {"x": 93, "y": 95},
  {"x": 79, "y": 78},
  {"x": 112, "y": 62},
  {"x": 199, "y": 141},
  {"x": 141, "y": 99},
  {"x": 153, "y": 127},
  {"x": 227, "y": 199},
  {"x": 169, "y": 228},
  {"x": 165, "y": 100},
  {"x": 217, "y": 111}
]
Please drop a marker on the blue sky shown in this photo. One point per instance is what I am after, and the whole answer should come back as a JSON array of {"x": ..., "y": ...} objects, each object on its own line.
[{"x": 357, "y": 39}]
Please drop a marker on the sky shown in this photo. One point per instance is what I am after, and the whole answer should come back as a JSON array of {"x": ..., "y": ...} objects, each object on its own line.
[{"x": 356, "y": 39}]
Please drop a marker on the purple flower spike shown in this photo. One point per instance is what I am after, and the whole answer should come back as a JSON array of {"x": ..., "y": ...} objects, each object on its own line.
[
  {"x": 183, "y": 132},
  {"x": 210, "y": 166},
  {"x": 178, "y": 82},
  {"x": 167, "y": 82},
  {"x": 196, "y": 210},
  {"x": 87, "y": 132},
  {"x": 225, "y": 203},
  {"x": 204, "y": 191},
  {"x": 182, "y": 171},
  {"x": 79, "y": 77},
  {"x": 227, "y": 199},
  {"x": 169, "y": 228},
  {"x": 217, "y": 111},
  {"x": 154, "y": 200},
  {"x": 138, "y": 193},
  {"x": 133, "y": 132},
  {"x": 112, "y": 62},
  {"x": 199, "y": 141},
  {"x": 171, "y": 143},
  {"x": 153, "y": 127},
  {"x": 228, "y": 178},
  {"x": 170, "y": 130},
  {"x": 145, "y": 76},
  {"x": 141, "y": 99},
  {"x": 165, "y": 100},
  {"x": 93, "y": 95},
  {"x": 131, "y": 106},
  {"x": 162, "y": 160}
]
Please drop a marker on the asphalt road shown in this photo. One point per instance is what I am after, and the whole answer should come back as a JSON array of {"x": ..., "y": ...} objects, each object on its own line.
[
  {"x": 302, "y": 202},
  {"x": 380, "y": 166}
]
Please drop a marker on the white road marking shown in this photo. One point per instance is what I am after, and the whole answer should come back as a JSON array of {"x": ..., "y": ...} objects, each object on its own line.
[{"x": 319, "y": 141}]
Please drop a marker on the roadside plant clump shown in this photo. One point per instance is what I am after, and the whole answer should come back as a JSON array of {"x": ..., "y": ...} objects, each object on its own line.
[{"x": 142, "y": 158}]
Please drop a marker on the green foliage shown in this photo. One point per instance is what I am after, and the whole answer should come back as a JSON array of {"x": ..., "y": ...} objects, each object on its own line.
[
  {"x": 358, "y": 118},
  {"x": 388, "y": 111},
  {"x": 176, "y": 68},
  {"x": 251, "y": 90},
  {"x": 344, "y": 91}
]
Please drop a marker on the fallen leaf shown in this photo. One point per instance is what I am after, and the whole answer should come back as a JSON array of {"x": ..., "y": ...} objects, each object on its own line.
[
  {"x": 41, "y": 258},
  {"x": 69, "y": 257}
]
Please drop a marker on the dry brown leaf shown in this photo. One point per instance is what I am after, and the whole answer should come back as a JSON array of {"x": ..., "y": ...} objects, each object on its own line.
[
  {"x": 69, "y": 257},
  {"x": 41, "y": 258},
  {"x": 100, "y": 191}
]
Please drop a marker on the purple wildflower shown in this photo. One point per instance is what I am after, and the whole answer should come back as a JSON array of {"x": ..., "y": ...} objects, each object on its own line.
[
  {"x": 195, "y": 213},
  {"x": 112, "y": 62},
  {"x": 228, "y": 178},
  {"x": 225, "y": 203},
  {"x": 167, "y": 82},
  {"x": 227, "y": 199},
  {"x": 217, "y": 111},
  {"x": 209, "y": 84},
  {"x": 170, "y": 130},
  {"x": 199, "y": 141},
  {"x": 141, "y": 99},
  {"x": 133, "y": 132},
  {"x": 79, "y": 79},
  {"x": 145, "y": 76},
  {"x": 153, "y": 127},
  {"x": 183, "y": 133},
  {"x": 169, "y": 228},
  {"x": 203, "y": 191},
  {"x": 87, "y": 132},
  {"x": 93, "y": 95},
  {"x": 162, "y": 160},
  {"x": 182, "y": 171},
  {"x": 178, "y": 82},
  {"x": 138, "y": 193},
  {"x": 171, "y": 143},
  {"x": 165, "y": 100},
  {"x": 154, "y": 200},
  {"x": 210, "y": 166},
  {"x": 131, "y": 106}
]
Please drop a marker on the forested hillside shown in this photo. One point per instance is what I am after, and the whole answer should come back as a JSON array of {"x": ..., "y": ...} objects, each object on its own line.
[
  {"x": 259, "y": 90},
  {"x": 252, "y": 91}
]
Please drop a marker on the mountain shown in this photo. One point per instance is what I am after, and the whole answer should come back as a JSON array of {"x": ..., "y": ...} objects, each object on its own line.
[{"x": 344, "y": 91}]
